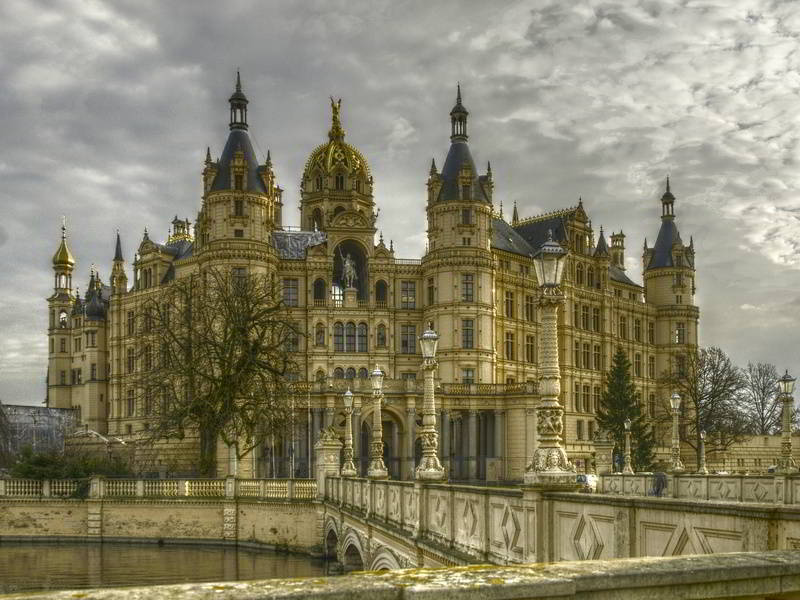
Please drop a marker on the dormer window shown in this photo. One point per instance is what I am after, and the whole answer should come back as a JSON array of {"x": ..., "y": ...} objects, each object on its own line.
[
  {"x": 466, "y": 191},
  {"x": 238, "y": 181},
  {"x": 339, "y": 181},
  {"x": 318, "y": 183},
  {"x": 238, "y": 208},
  {"x": 678, "y": 260},
  {"x": 466, "y": 216}
]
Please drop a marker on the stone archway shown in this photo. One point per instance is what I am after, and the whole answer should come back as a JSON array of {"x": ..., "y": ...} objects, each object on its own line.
[
  {"x": 384, "y": 560},
  {"x": 352, "y": 555}
]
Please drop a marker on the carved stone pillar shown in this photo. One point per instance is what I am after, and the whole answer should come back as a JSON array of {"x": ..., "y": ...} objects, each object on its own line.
[{"x": 472, "y": 444}]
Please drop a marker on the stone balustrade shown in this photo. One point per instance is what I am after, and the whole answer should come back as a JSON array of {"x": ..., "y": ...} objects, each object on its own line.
[
  {"x": 754, "y": 489},
  {"x": 745, "y": 576},
  {"x": 99, "y": 487}
]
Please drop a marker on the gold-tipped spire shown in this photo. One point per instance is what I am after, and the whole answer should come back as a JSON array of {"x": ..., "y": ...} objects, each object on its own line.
[{"x": 63, "y": 257}]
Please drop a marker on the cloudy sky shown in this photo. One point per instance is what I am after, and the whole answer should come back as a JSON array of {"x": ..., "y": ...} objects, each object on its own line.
[{"x": 106, "y": 109}]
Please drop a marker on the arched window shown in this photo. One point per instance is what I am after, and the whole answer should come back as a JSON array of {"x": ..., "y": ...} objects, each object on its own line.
[
  {"x": 320, "y": 376},
  {"x": 361, "y": 340},
  {"x": 350, "y": 373},
  {"x": 338, "y": 373},
  {"x": 381, "y": 292},
  {"x": 337, "y": 210},
  {"x": 339, "y": 181},
  {"x": 318, "y": 183},
  {"x": 319, "y": 290},
  {"x": 338, "y": 337},
  {"x": 319, "y": 335},
  {"x": 350, "y": 337},
  {"x": 579, "y": 274},
  {"x": 590, "y": 277},
  {"x": 380, "y": 338},
  {"x": 362, "y": 373}
]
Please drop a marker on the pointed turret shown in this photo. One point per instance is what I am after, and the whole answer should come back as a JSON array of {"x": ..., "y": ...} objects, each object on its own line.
[
  {"x": 458, "y": 119},
  {"x": 602, "y": 246},
  {"x": 118, "y": 250},
  {"x": 238, "y": 102},
  {"x": 669, "y": 238},
  {"x": 515, "y": 215},
  {"x": 433, "y": 170},
  {"x": 63, "y": 263}
]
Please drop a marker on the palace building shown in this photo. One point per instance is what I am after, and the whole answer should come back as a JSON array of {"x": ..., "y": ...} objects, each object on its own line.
[{"x": 360, "y": 305}]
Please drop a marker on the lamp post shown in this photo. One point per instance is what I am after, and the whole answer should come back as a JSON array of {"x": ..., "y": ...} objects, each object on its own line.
[
  {"x": 550, "y": 465},
  {"x": 348, "y": 468},
  {"x": 377, "y": 469},
  {"x": 701, "y": 468},
  {"x": 675, "y": 404},
  {"x": 786, "y": 463},
  {"x": 429, "y": 467},
  {"x": 627, "y": 469}
]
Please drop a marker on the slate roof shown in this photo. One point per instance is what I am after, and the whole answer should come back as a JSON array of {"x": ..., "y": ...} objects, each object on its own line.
[
  {"x": 238, "y": 139},
  {"x": 504, "y": 237},
  {"x": 662, "y": 251},
  {"x": 535, "y": 231},
  {"x": 293, "y": 244},
  {"x": 618, "y": 275},
  {"x": 457, "y": 156}
]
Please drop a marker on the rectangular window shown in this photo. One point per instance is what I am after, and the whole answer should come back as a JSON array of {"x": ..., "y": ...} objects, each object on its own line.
[
  {"x": 579, "y": 430},
  {"x": 408, "y": 376},
  {"x": 651, "y": 332},
  {"x": 93, "y": 371},
  {"x": 597, "y": 357},
  {"x": 430, "y": 291},
  {"x": 130, "y": 361},
  {"x": 510, "y": 304},
  {"x": 596, "y": 398},
  {"x": 239, "y": 233},
  {"x": 680, "y": 333},
  {"x": 623, "y": 328},
  {"x": 576, "y": 311},
  {"x": 290, "y": 291},
  {"x": 585, "y": 317},
  {"x": 651, "y": 367},
  {"x": 52, "y": 345},
  {"x": 238, "y": 208},
  {"x": 578, "y": 397},
  {"x": 596, "y": 319},
  {"x": 467, "y": 241},
  {"x": 467, "y": 333},
  {"x": 586, "y": 356},
  {"x": 651, "y": 405},
  {"x": 591, "y": 430},
  {"x": 63, "y": 344},
  {"x": 466, "y": 214},
  {"x": 637, "y": 330},
  {"x": 587, "y": 399},
  {"x": 577, "y": 356},
  {"x": 131, "y": 323},
  {"x": 238, "y": 181},
  {"x": 62, "y": 378},
  {"x": 293, "y": 342},
  {"x": 637, "y": 365},
  {"x": 76, "y": 344},
  {"x": 509, "y": 346},
  {"x": 130, "y": 404},
  {"x": 467, "y": 287},
  {"x": 678, "y": 299},
  {"x": 680, "y": 365},
  {"x": 530, "y": 348},
  {"x": 468, "y": 376},
  {"x": 408, "y": 339},
  {"x": 408, "y": 294},
  {"x": 530, "y": 308}
]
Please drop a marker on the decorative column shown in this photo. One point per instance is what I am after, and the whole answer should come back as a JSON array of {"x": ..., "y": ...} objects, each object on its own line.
[
  {"x": 377, "y": 469},
  {"x": 627, "y": 469},
  {"x": 786, "y": 462},
  {"x": 429, "y": 468},
  {"x": 348, "y": 468},
  {"x": 677, "y": 463},
  {"x": 411, "y": 436},
  {"x": 701, "y": 468},
  {"x": 357, "y": 438},
  {"x": 550, "y": 465},
  {"x": 444, "y": 448}
]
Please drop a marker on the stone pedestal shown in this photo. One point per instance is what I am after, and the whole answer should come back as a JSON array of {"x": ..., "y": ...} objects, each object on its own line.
[
  {"x": 603, "y": 453},
  {"x": 351, "y": 298},
  {"x": 326, "y": 457}
]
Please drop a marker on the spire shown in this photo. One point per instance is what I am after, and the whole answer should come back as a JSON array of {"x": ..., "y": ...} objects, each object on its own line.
[
  {"x": 433, "y": 167},
  {"x": 489, "y": 168},
  {"x": 602, "y": 247},
  {"x": 63, "y": 257},
  {"x": 118, "y": 250},
  {"x": 145, "y": 236},
  {"x": 667, "y": 203},
  {"x": 269, "y": 158},
  {"x": 208, "y": 155},
  {"x": 238, "y": 102},
  {"x": 336, "y": 133},
  {"x": 458, "y": 119},
  {"x": 515, "y": 215}
]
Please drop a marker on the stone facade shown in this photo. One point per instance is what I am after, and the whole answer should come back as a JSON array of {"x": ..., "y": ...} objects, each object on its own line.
[{"x": 360, "y": 305}]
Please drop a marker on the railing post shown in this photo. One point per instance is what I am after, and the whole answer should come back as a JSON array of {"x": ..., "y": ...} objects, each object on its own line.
[
  {"x": 139, "y": 488},
  {"x": 290, "y": 489},
  {"x": 230, "y": 486},
  {"x": 182, "y": 487},
  {"x": 46, "y": 488},
  {"x": 262, "y": 488},
  {"x": 2, "y": 487}
]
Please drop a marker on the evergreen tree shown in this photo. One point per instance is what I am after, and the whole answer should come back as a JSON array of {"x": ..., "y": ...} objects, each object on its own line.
[{"x": 619, "y": 402}]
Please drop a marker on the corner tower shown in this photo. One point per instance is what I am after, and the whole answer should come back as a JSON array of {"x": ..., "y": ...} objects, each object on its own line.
[
  {"x": 669, "y": 280},
  {"x": 59, "y": 332},
  {"x": 241, "y": 200},
  {"x": 458, "y": 267}
]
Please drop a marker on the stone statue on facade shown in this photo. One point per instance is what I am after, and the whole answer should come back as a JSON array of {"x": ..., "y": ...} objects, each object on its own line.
[{"x": 349, "y": 276}]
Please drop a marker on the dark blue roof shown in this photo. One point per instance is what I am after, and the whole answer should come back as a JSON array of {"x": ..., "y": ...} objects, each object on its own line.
[
  {"x": 662, "y": 251},
  {"x": 535, "y": 232},
  {"x": 505, "y": 238},
  {"x": 618, "y": 275},
  {"x": 457, "y": 156},
  {"x": 238, "y": 140}
]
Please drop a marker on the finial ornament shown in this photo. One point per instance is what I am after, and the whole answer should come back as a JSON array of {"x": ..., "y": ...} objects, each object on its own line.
[
  {"x": 668, "y": 183},
  {"x": 336, "y": 132},
  {"x": 63, "y": 227},
  {"x": 238, "y": 81},
  {"x": 458, "y": 93}
]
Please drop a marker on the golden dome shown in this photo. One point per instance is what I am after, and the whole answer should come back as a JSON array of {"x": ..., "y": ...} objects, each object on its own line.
[
  {"x": 63, "y": 257},
  {"x": 336, "y": 153}
]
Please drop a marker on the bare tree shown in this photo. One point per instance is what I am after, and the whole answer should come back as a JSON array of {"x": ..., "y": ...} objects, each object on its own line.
[
  {"x": 215, "y": 359},
  {"x": 710, "y": 388},
  {"x": 760, "y": 398},
  {"x": 6, "y": 433}
]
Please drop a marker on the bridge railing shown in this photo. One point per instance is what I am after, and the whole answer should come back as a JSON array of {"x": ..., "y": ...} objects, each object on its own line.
[
  {"x": 100, "y": 487},
  {"x": 761, "y": 489}
]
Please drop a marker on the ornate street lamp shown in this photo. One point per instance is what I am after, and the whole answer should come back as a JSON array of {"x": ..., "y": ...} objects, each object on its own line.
[
  {"x": 786, "y": 463},
  {"x": 675, "y": 404},
  {"x": 348, "y": 468},
  {"x": 550, "y": 465},
  {"x": 627, "y": 469},
  {"x": 377, "y": 469},
  {"x": 429, "y": 467},
  {"x": 701, "y": 468}
]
